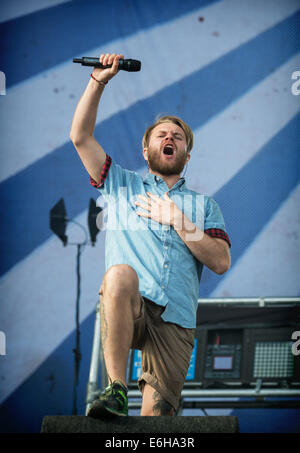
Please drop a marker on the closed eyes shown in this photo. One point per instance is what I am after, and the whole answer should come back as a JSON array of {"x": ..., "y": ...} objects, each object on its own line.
[{"x": 178, "y": 136}]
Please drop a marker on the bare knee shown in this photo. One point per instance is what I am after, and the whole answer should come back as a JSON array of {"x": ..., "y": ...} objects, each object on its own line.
[{"x": 120, "y": 279}]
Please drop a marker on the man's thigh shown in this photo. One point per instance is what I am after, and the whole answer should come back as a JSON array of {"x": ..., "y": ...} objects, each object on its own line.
[{"x": 166, "y": 353}]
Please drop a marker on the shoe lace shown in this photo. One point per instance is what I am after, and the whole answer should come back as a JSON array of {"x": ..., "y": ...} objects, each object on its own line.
[{"x": 111, "y": 391}]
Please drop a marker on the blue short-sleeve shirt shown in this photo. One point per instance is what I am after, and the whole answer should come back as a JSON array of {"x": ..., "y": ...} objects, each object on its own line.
[{"x": 168, "y": 272}]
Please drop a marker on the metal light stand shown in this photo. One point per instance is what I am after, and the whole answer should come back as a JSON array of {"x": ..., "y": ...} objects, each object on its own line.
[
  {"x": 96, "y": 357},
  {"x": 58, "y": 221},
  {"x": 76, "y": 350}
]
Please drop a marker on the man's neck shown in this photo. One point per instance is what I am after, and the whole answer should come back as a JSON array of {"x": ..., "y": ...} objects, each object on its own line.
[{"x": 170, "y": 180}]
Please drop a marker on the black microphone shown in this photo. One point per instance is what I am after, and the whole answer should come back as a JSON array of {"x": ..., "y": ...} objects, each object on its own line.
[{"x": 126, "y": 65}]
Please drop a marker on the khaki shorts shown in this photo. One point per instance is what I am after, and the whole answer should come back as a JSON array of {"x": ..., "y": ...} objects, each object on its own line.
[{"x": 166, "y": 352}]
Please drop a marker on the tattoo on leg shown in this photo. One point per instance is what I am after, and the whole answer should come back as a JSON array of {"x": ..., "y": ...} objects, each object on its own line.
[{"x": 161, "y": 407}]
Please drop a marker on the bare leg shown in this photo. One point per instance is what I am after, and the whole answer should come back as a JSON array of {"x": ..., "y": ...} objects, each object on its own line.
[
  {"x": 120, "y": 305},
  {"x": 153, "y": 403}
]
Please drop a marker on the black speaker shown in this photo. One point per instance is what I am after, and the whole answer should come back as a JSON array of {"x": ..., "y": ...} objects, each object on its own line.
[{"x": 238, "y": 345}]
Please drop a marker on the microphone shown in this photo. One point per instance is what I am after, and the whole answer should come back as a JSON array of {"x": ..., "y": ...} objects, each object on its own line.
[{"x": 127, "y": 65}]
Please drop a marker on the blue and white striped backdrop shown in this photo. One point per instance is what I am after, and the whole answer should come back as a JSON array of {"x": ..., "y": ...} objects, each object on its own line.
[{"x": 226, "y": 68}]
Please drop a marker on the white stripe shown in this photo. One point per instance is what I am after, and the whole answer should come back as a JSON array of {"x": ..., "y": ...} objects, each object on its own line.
[
  {"x": 270, "y": 266},
  {"x": 39, "y": 111},
  {"x": 35, "y": 292},
  {"x": 227, "y": 142},
  {"x": 12, "y": 9}
]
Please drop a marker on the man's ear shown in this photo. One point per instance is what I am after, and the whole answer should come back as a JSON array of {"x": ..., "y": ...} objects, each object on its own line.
[{"x": 145, "y": 154}]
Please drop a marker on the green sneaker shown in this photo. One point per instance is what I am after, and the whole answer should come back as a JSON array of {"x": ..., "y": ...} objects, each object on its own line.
[{"x": 112, "y": 401}]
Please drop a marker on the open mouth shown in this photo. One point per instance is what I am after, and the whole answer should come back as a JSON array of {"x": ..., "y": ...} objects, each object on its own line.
[{"x": 168, "y": 150}]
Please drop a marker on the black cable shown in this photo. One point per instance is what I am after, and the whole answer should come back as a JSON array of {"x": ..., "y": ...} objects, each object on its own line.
[
  {"x": 76, "y": 350},
  {"x": 77, "y": 353}
]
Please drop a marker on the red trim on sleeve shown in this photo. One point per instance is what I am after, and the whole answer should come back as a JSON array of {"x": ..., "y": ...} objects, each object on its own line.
[
  {"x": 104, "y": 173},
  {"x": 218, "y": 233}
]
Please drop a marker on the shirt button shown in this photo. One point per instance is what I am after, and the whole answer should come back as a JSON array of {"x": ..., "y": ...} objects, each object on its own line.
[
  {"x": 162, "y": 286},
  {"x": 166, "y": 247},
  {"x": 166, "y": 265}
]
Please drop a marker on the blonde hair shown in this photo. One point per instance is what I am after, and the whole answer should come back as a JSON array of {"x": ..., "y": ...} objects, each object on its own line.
[{"x": 175, "y": 120}]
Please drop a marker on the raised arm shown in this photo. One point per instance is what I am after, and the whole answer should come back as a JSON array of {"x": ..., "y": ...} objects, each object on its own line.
[{"x": 90, "y": 151}]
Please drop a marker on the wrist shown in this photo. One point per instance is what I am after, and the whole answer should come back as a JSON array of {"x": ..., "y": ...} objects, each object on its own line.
[
  {"x": 187, "y": 230},
  {"x": 100, "y": 82}
]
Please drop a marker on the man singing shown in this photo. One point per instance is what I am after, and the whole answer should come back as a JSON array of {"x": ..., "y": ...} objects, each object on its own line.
[{"x": 159, "y": 236}]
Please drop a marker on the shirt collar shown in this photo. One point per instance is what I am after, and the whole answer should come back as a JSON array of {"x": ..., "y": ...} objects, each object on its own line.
[{"x": 151, "y": 179}]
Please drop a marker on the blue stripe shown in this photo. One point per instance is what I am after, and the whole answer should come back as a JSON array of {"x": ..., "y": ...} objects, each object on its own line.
[
  {"x": 27, "y": 197},
  {"x": 252, "y": 197},
  {"x": 49, "y": 389},
  {"x": 38, "y": 41}
]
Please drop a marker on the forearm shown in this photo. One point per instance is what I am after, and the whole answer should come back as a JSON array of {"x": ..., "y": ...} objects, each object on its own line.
[
  {"x": 209, "y": 251},
  {"x": 85, "y": 115}
]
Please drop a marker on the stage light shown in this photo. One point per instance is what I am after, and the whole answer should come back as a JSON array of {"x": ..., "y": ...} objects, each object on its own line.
[
  {"x": 92, "y": 216},
  {"x": 58, "y": 220}
]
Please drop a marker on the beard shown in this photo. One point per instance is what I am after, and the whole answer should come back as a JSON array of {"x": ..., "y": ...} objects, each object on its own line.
[{"x": 174, "y": 167}]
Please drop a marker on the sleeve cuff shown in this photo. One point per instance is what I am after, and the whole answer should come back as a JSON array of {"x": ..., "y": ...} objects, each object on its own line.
[
  {"x": 103, "y": 174},
  {"x": 218, "y": 233}
]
